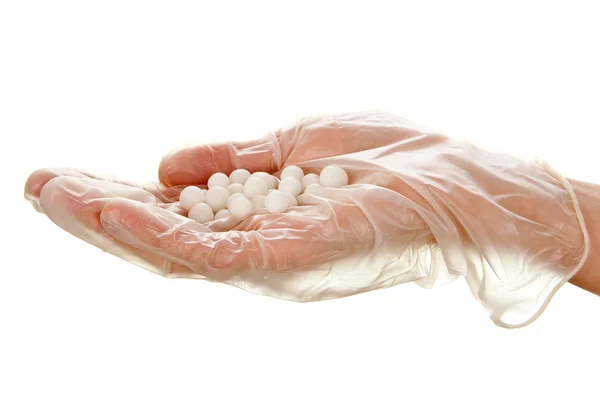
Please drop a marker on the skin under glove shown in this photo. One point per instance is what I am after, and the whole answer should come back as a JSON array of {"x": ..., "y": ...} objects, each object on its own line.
[{"x": 420, "y": 207}]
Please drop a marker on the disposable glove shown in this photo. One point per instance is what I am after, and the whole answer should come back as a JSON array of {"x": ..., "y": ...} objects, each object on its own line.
[{"x": 421, "y": 207}]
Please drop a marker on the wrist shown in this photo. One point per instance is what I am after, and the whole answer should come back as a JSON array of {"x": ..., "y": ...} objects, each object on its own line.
[{"x": 588, "y": 195}]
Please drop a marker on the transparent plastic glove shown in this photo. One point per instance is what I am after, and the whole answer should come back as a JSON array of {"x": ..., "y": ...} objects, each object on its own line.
[{"x": 420, "y": 207}]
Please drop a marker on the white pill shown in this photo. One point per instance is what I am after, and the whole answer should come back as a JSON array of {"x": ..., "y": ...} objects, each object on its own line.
[
  {"x": 239, "y": 176},
  {"x": 309, "y": 180},
  {"x": 290, "y": 185},
  {"x": 312, "y": 188},
  {"x": 240, "y": 207},
  {"x": 218, "y": 179},
  {"x": 224, "y": 213},
  {"x": 291, "y": 199},
  {"x": 233, "y": 196},
  {"x": 333, "y": 177},
  {"x": 277, "y": 202},
  {"x": 202, "y": 213},
  {"x": 258, "y": 202},
  {"x": 292, "y": 172},
  {"x": 190, "y": 196},
  {"x": 254, "y": 187},
  {"x": 235, "y": 188},
  {"x": 216, "y": 197},
  {"x": 269, "y": 180}
]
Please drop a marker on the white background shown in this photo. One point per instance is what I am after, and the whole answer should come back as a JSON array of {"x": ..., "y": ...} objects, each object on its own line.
[{"x": 111, "y": 86}]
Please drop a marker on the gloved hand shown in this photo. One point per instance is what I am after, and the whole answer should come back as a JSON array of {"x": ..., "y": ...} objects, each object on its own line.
[{"x": 420, "y": 207}]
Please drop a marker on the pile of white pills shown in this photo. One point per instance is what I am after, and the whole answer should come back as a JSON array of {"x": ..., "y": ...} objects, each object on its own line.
[{"x": 241, "y": 192}]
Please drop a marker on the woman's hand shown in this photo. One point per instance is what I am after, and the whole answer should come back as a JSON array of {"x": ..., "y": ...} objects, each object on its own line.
[{"x": 420, "y": 207}]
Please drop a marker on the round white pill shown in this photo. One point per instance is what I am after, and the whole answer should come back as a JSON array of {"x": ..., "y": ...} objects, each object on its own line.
[
  {"x": 254, "y": 187},
  {"x": 290, "y": 185},
  {"x": 333, "y": 177},
  {"x": 269, "y": 180},
  {"x": 190, "y": 196},
  {"x": 291, "y": 199},
  {"x": 218, "y": 179},
  {"x": 235, "y": 188},
  {"x": 224, "y": 213},
  {"x": 312, "y": 188},
  {"x": 277, "y": 202},
  {"x": 216, "y": 197},
  {"x": 240, "y": 207},
  {"x": 233, "y": 196},
  {"x": 309, "y": 180},
  {"x": 239, "y": 176},
  {"x": 292, "y": 172},
  {"x": 202, "y": 213},
  {"x": 258, "y": 202}
]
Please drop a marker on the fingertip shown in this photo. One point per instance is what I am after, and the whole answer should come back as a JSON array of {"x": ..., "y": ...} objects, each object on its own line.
[
  {"x": 36, "y": 180},
  {"x": 39, "y": 178},
  {"x": 59, "y": 191},
  {"x": 33, "y": 187},
  {"x": 67, "y": 202},
  {"x": 165, "y": 171}
]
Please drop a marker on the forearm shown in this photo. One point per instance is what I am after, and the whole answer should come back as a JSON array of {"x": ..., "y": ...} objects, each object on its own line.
[{"x": 588, "y": 195}]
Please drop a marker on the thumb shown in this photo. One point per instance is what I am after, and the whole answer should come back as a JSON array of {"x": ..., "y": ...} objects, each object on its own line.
[{"x": 194, "y": 165}]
